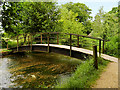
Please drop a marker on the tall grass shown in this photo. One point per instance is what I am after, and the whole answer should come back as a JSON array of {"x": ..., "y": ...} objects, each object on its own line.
[{"x": 84, "y": 76}]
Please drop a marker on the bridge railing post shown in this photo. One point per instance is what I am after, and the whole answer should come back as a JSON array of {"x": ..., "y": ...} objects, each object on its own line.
[
  {"x": 31, "y": 43},
  {"x": 17, "y": 44},
  {"x": 70, "y": 45},
  {"x": 95, "y": 56},
  {"x": 99, "y": 48},
  {"x": 57, "y": 38},
  {"x": 48, "y": 39},
  {"x": 78, "y": 41},
  {"x": 41, "y": 38},
  {"x": 7, "y": 43},
  {"x": 103, "y": 47},
  {"x": 28, "y": 41}
]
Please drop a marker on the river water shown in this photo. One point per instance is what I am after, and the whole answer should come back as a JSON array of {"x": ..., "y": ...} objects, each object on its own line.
[{"x": 35, "y": 70}]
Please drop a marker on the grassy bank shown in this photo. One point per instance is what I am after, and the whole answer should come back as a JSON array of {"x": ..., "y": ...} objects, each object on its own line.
[{"x": 84, "y": 76}]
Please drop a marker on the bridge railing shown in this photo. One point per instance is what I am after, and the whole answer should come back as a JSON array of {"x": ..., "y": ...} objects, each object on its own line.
[{"x": 58, "y": 38}]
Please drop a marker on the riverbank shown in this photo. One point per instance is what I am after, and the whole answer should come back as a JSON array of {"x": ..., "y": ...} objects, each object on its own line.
[
  {"x": 4, "y": 52},
  {"x": 85, "y": 75}
]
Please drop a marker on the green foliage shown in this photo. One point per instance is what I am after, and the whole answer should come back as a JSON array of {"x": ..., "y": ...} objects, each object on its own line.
[
  {"x": 106, "y": 27},
  {"x": 84, "y": 76},
  {"x": 69, "y": 23},
  {"x": 11, "y": 18},
  {"x": 111, "y": 47},
  {"x": 81, "y": 13},
  {"x": 24, "y": 17},
  {"x": 39, "y": 16}
]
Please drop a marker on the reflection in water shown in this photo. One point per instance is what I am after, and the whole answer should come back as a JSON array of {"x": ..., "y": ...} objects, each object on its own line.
[
  {"x": 5, "y": 75},
  {"x": 35, "y": 70}
]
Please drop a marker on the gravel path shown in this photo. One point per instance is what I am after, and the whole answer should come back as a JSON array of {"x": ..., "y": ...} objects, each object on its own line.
[{"x": 109, "y": 78}]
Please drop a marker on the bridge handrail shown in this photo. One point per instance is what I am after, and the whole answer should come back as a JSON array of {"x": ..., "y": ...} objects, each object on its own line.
[
  {"x": 73, "y": 34},
  {"x": 31, "y": 37},
  {"x": 63, "y": 33}
]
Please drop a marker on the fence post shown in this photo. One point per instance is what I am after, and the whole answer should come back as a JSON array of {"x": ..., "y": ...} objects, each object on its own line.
[
  {"x": 57, "y": 38},
  {"x": 31, "y": 43},
  {"x": 95, "y": 56},
  {"x": 78, "y": 41},
  {"x": 41, "y": 38},
  {"x": 103, "y": 47},
  {"x": 48, "y": 38},
  {"x": 17, "y": 43},
  {"x": 70, "y": 45},
  {"x": 99, "y": 48}
]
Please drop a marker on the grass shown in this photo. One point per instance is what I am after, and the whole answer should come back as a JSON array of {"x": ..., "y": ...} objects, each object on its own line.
[
  {"x": 85, "y": 75},
  {"x": 4, "y": 50}
]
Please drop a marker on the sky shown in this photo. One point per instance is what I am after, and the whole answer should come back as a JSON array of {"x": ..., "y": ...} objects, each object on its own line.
[{"x": 95, "y": 4}]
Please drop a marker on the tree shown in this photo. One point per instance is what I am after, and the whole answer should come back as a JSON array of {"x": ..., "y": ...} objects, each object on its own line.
[
  {"x": 69, "y": 23},
  {"x": 29, "y": 17},
  {"x": 39, "y": 16},
  {"x": 106, "y": 27},
  {"x": 11, "y": 20},
  {"x": 24, "y": 17},
  {"x": 97, "y": 25},
  {"x": 83, "y": 14}
]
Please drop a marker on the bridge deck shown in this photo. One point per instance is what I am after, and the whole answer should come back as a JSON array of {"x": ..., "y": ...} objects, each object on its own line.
[{"x": 80, "y": 50}]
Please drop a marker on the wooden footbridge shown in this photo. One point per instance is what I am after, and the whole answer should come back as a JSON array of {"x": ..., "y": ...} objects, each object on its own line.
[{"x": 45, "y": 42}]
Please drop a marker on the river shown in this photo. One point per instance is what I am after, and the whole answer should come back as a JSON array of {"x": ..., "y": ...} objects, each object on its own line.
[{"x": 35, "y": 70}]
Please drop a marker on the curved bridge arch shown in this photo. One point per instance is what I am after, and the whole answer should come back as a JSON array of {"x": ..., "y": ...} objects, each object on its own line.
[{"x": 62, "y": 49}]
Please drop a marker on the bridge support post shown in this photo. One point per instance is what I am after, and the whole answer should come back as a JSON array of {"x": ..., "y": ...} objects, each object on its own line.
[
  {"x": 70, "y": 45},
  {"x": 48, "y": 39},
  {"x": 17, "y": 44},
  {"x": 99, "y": 48},
  {"x": 95, "y": 56},
  {"x": 78, "y": 41},
  {"x": 103, "y": 47}
]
